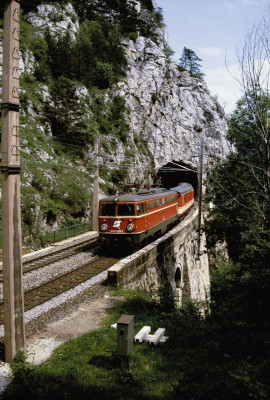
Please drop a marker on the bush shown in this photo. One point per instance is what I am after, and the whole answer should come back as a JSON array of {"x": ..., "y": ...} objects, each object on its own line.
[
  {"x": 166, "y": 297},
  {"x": 118, "y": 177},
  {"x": 103, "y": 75}
]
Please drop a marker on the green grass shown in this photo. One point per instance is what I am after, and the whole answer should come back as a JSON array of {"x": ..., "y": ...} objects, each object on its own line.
[
  {"x": 206, "y": 357},
  {"x": 88, "y": 367}
]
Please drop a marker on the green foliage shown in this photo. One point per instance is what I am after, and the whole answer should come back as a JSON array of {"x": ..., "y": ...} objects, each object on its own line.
[
  {"x": 103, "y": 76},
  {"x": 166, "y": 297},
  {"x": 118, "y": 177},
  {"x": 111, "y": 118},
  {"x": 154, "y": 97},
  {"x": 65, "y": 115},
  {"x": 249, "y": 132},
  {"x": 168, "y": 52},
  {"x": 148, "y": 4},
  {"x": 133, "y": 36},
  {"x": 96, "y": 43},
  {"x": 30, "y": 93},
  {"x": 240, "y": 288},
  {"x": 232, "y": 213},
  {"x": 189, "y": 61},
  {"x": 246, "y": 121},
  {"x": 51, "y": 191},
  {"x": 241, "y": 188},
  {"x": 30, "y": 5},
  {"x": 98, "y": 54},
  {"x": 58, "y": 117},
  {"x": 123, "y": 14},
  {"x": 130, "y": 154},
  {"x": 60, "y": 55},
  {"x": 214, "y": 356}
]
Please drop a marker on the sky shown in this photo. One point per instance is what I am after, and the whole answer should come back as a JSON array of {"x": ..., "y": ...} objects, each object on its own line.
[{"x": 214, "y": 29}]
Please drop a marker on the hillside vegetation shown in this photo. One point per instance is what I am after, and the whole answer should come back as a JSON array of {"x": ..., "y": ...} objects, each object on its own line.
[{"x": 66, "y": 104}]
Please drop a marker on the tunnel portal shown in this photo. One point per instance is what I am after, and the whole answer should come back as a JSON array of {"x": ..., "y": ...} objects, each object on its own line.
[{"x": 174, "y": 172}]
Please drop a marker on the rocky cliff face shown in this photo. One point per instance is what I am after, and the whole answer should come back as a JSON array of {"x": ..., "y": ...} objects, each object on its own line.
[
  {"x": 170, "y": 109},
  {"x": 166, "y": 113}
]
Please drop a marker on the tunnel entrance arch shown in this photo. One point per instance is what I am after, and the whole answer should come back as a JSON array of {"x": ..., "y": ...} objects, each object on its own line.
[{"x": 174, "y": 172}]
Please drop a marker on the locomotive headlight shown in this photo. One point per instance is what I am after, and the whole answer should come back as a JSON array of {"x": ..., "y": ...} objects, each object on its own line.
[
  {"x": 130, "y": 227},
  {"x": 103, "y": 227}
]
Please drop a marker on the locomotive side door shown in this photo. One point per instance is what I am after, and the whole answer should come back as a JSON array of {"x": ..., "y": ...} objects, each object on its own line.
[{"x": 146, "y": 218}]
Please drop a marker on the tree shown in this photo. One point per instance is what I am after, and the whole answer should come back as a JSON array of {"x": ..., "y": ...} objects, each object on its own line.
[
  {"x": 250, "y": 125},
  {"x": 103, "y": 76},
  {"x": 250, "y": 134},
  {"x": 189, "y": 61},
  {"x": 66, "y": 115},
  {"x": 242, "y": 185},
  {"x": 237, "y": 216}
]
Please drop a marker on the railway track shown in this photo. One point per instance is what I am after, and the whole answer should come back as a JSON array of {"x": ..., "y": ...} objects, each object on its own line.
[
  {"x": 41, "y": 294},
  {"x": 43, "y": 260}
]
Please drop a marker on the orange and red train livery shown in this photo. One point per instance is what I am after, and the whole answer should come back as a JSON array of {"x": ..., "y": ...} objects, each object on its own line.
[{"x": 134, "y": 218}]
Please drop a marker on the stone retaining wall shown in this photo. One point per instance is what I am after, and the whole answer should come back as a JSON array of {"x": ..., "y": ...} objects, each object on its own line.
[{"x": 170, "y": 258}]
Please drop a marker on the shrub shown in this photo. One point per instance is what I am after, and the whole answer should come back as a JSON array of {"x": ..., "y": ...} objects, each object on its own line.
[
  {"x": 103, "y": 75},
  {"x": 154, "y": 97},
  {"x": 118, "y": 177}
]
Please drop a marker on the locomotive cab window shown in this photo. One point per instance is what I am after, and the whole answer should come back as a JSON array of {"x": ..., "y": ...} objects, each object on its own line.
[
  {"x": 126, "y": 209},
  {"x": 108, "y": 210}
]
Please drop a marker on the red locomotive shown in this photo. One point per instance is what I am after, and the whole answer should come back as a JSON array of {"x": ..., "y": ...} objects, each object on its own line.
[{"x": 133, "y": 218}]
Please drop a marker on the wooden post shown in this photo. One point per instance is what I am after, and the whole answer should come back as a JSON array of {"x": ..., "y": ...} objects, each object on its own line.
[
  {"x": 95, "y": 188},
  {"x": 13, "y": 294}
]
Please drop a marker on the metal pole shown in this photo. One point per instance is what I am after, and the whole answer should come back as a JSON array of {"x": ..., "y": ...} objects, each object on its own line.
[
  {"x": 200, "y": 201},
  {"x": 95, "y": 188},
  {"x": 13, "y": 293}
]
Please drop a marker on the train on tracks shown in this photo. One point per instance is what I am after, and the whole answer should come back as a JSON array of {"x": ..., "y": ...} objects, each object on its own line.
[{"x": 133, "y": 219}]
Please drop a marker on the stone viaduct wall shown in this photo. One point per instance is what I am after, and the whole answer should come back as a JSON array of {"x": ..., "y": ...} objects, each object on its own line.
[{"x": 172, "y": 258}]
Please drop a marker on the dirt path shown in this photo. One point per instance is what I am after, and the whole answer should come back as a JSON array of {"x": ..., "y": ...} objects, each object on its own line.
[{"x": 86, "y": 318}]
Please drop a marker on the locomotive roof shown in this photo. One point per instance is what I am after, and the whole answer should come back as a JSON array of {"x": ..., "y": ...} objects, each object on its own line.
[{"x": 147, "y": 194}]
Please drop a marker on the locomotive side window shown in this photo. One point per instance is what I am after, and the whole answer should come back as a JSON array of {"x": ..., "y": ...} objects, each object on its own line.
[
  {"x": 159, "y": 202},
  {"x": 126, "y": 209},
  {"x": 108, "y": 210},
  {"x": 170, "y": 199},
  {"x": 150, "y": 205},
  {"x": 139, "y": 208}
]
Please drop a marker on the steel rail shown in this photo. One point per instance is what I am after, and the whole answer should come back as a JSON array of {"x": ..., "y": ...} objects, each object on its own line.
[
  {"x": 56, "y": 286},
  {"x": 46, "y": 259}
]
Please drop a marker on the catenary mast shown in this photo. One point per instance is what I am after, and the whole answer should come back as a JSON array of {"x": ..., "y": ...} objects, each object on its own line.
[{"x": 10, "y": 167}]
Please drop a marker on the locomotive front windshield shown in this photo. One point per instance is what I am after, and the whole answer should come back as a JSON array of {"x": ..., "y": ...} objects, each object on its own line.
[
  {"x": 126, "y": 209},
  {"x": 108, "y": 210}
]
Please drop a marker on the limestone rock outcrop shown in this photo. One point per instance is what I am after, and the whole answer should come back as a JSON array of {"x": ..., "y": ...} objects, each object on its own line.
[{"x": 170, "y": 109}]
